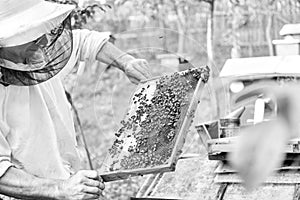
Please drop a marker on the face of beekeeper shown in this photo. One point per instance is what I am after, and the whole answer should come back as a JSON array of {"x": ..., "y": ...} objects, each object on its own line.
[{"x": 28, "y": 53}]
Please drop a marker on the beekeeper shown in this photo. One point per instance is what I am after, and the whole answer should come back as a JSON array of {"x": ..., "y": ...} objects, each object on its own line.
[{"x": 38, "y": 151}]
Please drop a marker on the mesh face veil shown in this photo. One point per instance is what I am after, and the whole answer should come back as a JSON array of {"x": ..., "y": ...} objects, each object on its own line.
[{"x": 50, "y": 54}]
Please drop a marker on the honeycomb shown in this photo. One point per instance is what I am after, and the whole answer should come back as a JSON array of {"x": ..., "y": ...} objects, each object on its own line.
[{"x": 149, "y": 131}]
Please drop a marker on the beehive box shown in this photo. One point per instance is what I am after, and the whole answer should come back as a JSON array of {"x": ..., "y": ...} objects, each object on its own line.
[
  {"x": 218, "y": 149},
  {"x": 154, "y": 128}
]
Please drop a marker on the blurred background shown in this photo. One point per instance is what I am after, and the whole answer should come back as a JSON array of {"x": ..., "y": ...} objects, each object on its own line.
[{"x": 172, "y": 35}]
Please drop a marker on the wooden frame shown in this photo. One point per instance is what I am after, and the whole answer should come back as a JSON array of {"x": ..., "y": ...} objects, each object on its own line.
[
  {"x": 225, "y": 145},
  {"x": 286, "y": 177},
  {"x": 287, "y": 173},
  {"x": 222, "y": 156},
  {"x": 194, "y": 99},
  {"x": 225, "y": 168},
  {"x": 205, "y": 131}
]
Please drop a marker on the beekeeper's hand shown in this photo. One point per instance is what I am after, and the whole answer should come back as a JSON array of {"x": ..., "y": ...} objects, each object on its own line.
[
  {"x": 137, "y": 70},
  {"x": 85, "y": 184}
]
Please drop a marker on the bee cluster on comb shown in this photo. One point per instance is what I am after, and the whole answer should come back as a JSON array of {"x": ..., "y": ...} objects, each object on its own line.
[{"x": 150, "y": 129}]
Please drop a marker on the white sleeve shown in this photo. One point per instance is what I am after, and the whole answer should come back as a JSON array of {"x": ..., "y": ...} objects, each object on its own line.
[
  {"x": 89, "y": 44},
  {"x": 86, "y": 45}
]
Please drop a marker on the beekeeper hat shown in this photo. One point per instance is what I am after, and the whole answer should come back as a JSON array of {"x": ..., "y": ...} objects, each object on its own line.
[{"x": 22, "y": 21}]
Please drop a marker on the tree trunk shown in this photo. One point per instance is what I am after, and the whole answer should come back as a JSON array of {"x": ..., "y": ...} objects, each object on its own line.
[
  {"x": 181, "y": 27},
  {"x": 236, "y": 48},
  {"x": 181, "y": 40},
  {"x": 163, "y": 26},
  {"x": 209, "y": 37},
  {"x": 215, "y": 94},
  {"x": 269, "y": 33}
]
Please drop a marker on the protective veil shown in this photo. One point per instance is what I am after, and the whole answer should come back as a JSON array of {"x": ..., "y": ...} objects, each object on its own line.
[{"x": 47, "y": 56}]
